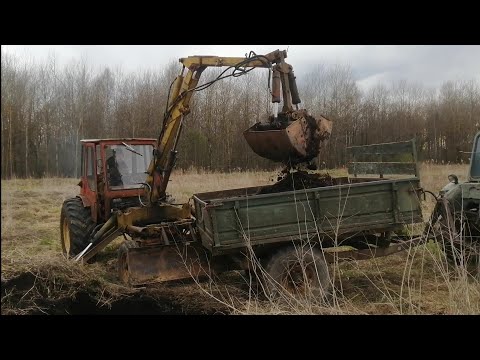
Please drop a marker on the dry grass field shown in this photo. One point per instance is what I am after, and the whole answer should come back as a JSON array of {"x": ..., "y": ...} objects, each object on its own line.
[{"x": 36, "y": 279}]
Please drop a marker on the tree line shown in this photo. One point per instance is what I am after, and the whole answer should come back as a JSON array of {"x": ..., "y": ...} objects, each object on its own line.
[{"x": 47, "y": 109}]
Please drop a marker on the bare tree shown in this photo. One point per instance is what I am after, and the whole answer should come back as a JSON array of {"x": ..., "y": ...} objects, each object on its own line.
[{"x": 46, "y": 110}]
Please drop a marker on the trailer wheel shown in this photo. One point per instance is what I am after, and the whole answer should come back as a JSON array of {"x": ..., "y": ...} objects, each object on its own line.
[
  {"x": 122, "y": 263},
  {"x": 298, "y": 272},
  {"x": 76, "y": 225}
]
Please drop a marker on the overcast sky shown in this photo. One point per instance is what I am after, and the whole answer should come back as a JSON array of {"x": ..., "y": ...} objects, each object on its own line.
[{"x": 427, "y": 64}]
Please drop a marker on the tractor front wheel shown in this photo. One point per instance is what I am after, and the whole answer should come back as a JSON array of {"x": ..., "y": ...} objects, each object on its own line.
[{"x": 76, "y": 225}]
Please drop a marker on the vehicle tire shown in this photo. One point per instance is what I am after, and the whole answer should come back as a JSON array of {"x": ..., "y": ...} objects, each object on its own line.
[
  {"x": 76, "y": 225},
  {"x": 122, "y": 264},
  {"x": 305, "y": 274},
  {"x": 254, "y": 280},
  {"x": 451, "y": 239}
]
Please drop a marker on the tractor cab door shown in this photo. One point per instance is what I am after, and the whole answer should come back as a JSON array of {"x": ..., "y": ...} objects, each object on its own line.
[
  {"x": 475, "y": 160},
  {"x": 89, "y": 178}
]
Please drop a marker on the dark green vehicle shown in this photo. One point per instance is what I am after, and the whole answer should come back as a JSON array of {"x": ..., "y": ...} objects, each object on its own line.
[
  {"x": 295, "y": 227},
  {"x": 456, "y": 217}
]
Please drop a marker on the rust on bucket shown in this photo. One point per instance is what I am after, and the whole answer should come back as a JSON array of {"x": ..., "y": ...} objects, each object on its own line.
[{"x": 295, "y": 138}]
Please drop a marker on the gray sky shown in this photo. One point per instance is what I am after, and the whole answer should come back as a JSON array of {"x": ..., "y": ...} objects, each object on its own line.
[{"x": 427, "y": 64}]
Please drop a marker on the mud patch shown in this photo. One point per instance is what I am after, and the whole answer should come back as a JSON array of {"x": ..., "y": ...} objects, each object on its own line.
[
  {"x": 27, "y": 294},
  {"x": 84, "y": 304}
]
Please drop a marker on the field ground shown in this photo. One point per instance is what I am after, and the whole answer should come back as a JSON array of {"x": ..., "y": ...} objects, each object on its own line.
[{"x": 36, "y": 279}]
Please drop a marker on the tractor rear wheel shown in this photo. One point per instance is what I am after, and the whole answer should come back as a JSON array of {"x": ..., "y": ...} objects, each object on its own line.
[
  {"x": 76, "y": 225},
  {"x": 298, "y": 272}
]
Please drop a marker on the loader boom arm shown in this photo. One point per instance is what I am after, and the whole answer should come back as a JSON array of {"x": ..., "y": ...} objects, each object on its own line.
[
  {"x": 181, "y": 93},
  {"x": 291, "y": 137}
]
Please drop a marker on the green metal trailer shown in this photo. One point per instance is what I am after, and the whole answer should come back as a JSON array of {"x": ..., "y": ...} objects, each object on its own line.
[{"x": 365, "y": 214}]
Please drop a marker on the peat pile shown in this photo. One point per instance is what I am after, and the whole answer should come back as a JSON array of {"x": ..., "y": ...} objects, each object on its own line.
[
  {"x": 299, "y": 180},
  {"x": 55, "y": 286}
]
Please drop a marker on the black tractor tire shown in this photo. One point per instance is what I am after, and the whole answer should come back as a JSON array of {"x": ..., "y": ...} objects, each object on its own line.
[
  {"x": 122, "y": 264},
  {"x": 458, "y": 251},
  {"x": 76, "y": 226},
  {"x": 298, "y": 273}
]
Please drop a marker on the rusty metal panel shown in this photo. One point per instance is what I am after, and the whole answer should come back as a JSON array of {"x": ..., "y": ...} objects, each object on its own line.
[
  {"x": 165, "y": 263},
  {"x": 275, "y": 145},
  {"x": 300, "y": 141}
]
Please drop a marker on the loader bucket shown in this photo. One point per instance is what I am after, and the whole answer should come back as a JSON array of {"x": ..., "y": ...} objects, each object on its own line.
[
  {"x": 298, "y": 142},
  {"x": 163, "y": 263}
]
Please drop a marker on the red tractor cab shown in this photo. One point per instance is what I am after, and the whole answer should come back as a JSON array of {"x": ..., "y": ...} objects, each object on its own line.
[{"x": 113, "y": 174}]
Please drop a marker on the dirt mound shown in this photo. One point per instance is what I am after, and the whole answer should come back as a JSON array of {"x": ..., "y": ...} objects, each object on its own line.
[
  {"x": 28, "y": 295},
  {"x": 299, "y": 180},
  {"x": 61, "y": 287}
]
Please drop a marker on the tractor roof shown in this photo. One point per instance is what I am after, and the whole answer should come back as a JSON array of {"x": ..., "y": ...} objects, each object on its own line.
[{"x": 116, "y": 140}]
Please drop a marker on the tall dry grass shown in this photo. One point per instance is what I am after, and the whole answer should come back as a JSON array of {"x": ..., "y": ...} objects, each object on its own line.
[{"x": 418, "y": 281}]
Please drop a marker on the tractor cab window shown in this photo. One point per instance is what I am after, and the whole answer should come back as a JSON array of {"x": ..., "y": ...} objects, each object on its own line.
[
  {"x": 475, "y": 167},
  {"x": 126, "y": 169}
]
